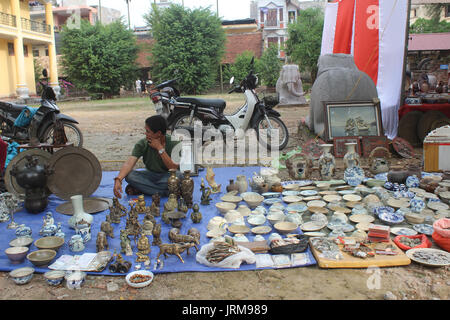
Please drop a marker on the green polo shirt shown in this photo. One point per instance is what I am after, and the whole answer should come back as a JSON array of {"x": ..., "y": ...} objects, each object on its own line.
[{"x": 150, "y": 156}]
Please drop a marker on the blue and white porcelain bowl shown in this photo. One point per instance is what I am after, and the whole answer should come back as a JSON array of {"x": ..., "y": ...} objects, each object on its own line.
[
  {"x": 297, "y": 207},
  {"x": 269, "y": 195},
  {"x": 417, "y": 205},
  {"x": 426, "y": 229},
  {"x": 54, "y": 277},
  {"x": 22, "y": 275},
  {"x": 391, "y": 218},
  {"x": 75, "y": 279},
  {"x": 354, "y": 176},
  {"x": 270, "y": 201},
  {"x": 383, "y": 209},
  {"x": 389, "y": 185},
  {"x": 412, "y": 182},
  {"x": 381, "y": 176}
]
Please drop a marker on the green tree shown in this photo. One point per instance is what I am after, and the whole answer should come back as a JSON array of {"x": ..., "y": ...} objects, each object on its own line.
[
  {"x": 241, "y": 67},
  {"x": 305, "y": 40},
  {"x": 269, "y": 66},
  {"x": 99, "y": 58},
  {"x": 422, "y": 25},
  {"x": 189, "y": 44}
]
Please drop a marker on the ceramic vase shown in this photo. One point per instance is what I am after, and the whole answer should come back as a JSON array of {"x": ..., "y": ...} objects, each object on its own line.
[
  {"x": 76, "y": 243},
  {"x": 232, "y": 186},
  {"x": 351, "y": 157},
  {"x": 242, "y": 184},
  {"x": 173, "y": 183},
  {"x": 79, "y": 214},
  {"x": 327, "y": 162}
]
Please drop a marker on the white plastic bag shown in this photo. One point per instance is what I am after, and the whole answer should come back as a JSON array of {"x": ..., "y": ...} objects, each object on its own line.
[{"x": 232, "y": 262}]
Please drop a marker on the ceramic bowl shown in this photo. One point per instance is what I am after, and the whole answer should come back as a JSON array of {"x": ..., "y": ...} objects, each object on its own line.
[
  {"x": 52, "y": 243},
  {"x": 412, "y": 182},
  {"x": 54, "y": 277},
  {"x": 275, "y": 217},
  {"x": 253, "y": 200},
  {"x": 445, "y": 196},
  {"x": 391, "y": 218},
  {"x": 41, "y": 258},
  {"x": 224, "y": 207},
  {"x": 141, "y": 284},
  {"x": 22, "y": 275},
  {"x": 75, "y": 280},
  {"x": 256, "y": 220},
  {"x": 233, "y": 215},
  {"x": 21, "y": 242},
  {"x": 269, "y": 195},
  {"x": 231, "y": 198},
  {"x": 285, "y": 227},
  {"x": 244, "y": 210},
  {"x": 217, "y": 223},
  {"x": 17, "y": 254},
  {"x": 270, "y": 201}
]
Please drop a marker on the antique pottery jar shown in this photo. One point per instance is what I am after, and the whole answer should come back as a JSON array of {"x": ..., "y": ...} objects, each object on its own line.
[{"x": 351, "y": 157}]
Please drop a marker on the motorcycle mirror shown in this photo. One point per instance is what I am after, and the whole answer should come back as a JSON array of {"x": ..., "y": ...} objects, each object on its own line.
[
  {"x": 232, "y": 80},
  {"x": 45, "y": 73}
]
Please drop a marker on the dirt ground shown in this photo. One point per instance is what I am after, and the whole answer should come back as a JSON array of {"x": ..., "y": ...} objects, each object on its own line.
[{"x": 110, "y": 135}]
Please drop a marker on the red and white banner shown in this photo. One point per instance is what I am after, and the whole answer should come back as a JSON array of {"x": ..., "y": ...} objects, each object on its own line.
[{"x": 374, "y": 32}]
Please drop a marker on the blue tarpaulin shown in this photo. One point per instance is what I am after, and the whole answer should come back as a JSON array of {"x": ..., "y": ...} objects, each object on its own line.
[{"x": 171, "y": 264}]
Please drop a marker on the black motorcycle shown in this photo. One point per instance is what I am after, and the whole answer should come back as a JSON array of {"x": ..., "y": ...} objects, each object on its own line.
[
  {"x": 258, "y": 114},
  {"x": 42, "y": 122}
]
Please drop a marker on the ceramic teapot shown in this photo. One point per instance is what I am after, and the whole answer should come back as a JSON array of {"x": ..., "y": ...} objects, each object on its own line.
[
  {"x": 379, "y": 164},
  {"x": 256, "y": 182}
]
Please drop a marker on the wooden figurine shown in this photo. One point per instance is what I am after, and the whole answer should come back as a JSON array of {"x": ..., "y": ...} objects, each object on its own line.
[
  {"x": 102, "y": 242},
  {"x": 107, "y": 228},
  {"x": 196, "y": 216},
  {"x": 155, "y": 206}
]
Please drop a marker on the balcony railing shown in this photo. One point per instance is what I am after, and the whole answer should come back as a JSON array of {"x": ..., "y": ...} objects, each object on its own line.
[
  {"x": 8, "y": 19},
  {"x": 35, "y": 26}
]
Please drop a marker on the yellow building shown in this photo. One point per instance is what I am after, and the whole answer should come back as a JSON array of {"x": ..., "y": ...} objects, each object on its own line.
[{"x": 18, "y": 35}]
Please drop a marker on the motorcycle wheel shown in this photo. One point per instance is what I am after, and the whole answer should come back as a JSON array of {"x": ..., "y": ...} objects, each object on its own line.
[
  {"x": 182, "y": 120},
  {"x": 277, "y": 123},
  {"x": 73, "y": 134}
]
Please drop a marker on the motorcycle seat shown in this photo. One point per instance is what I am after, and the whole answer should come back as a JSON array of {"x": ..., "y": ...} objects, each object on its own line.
[
  {"x": 219, "y": 104},
  {"x": 12, "y": 108}
]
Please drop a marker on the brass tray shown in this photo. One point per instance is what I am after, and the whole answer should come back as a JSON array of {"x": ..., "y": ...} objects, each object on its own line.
[
  {"x": 90, "y": 205},
  {"x": 19, "y": 160},
  {"x": 75, "y": 171}
]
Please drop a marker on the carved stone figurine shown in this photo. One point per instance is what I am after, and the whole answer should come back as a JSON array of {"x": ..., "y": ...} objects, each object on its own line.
[
  {"x": 215, "y": 188},
  {"x": 124, "y": 241},
  {"x": 196, "y": 216},
  {"x": 107, "y": 228},
  {"x": 289, "y": 86},
  {"x": 143, "y": 247},
  {"x": 155, "y": 207},
  {"x": 206, "y": 192},
  {"x": 156, "y": 235},
  {"x": 102, "y": 242}
]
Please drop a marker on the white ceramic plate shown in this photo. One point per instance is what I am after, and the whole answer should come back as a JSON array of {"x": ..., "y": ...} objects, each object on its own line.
[
  {"x": 363, "y": 226},
  {"x": 142, "y": 284},
  {"x": 292, "y": 199},
  {"x": 261, "y": 230},
  {"x": 230, "y": 198},
  {"x": 402, "y": 231},
  {"x": 312, "y": 226},
  {"x": 315, "y": 234},
  {"x": 437, "y": 205},
  {"x": 332, "y": 198},
  {"x": 358, "y": 218},
  {"x": 316, "y": 203},
  {"x": 308, "y": 193}
]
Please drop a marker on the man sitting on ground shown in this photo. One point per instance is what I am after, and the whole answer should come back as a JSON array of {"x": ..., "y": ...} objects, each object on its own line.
[{"x": 156, "y": 152}]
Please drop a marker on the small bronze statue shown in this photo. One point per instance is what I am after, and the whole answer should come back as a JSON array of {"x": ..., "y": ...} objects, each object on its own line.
[
  {"x": 155, "y": 207},
  {"x": 174, "y": 249},
  {"x": 132, "y": 226},
  {"x": 156, "y": 234},
  {"x": 182, "y": 205},
  {"x": 206, "y": 192},
  {"x": 140, "y": 206},
  {"x": 147, "y": 227},
  {"x": 124, "y": 240},
  {"x": 195, "y": 233},
  {"x": 169, "y": 207},
  {"x": 176, "y": 237},
  {"x": 102, "y": 242},
  {"x": 120, "y": 265},
  {"x": 173, "y": 183},
  {"x": 106, "y": 227},
  {"x": 143, "y": 247},
  {"x": 187, "y": 188},
  {"x": 196, "y": 216},
  {"x": 120, "y": 207}
]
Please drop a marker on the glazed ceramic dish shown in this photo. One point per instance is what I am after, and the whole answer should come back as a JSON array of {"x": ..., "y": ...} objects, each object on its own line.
[
  {"x": 269, "y": 195},
  {"x": 297, "y": 183},
  {"x": 424, "y": 228},
  {"x": 285, "y": 227},
  {"x": 256, "y": 220},
  {"x": 271, "y": 201},
  {"x": 312, "y": 226},
  {"x": 41, "y": 257},
  {"x": 399, "y": 231},
  {"x": 308, "y": 193},
  {"x": 290, "y": 193},
  {"x": 16, "y": 254},
  {"x": 224, "y": 207},
  {"x": 22, "y": 275},
  {"x": 429, "y": 257},
  {"x": 437, "y": 205},
  {"x": 214, "y": 233},
  {"x": 292, "y": 199},
  {"x": 332, "y": 198},
  {"x": 316, "y": 203},
  {"x": 21, "y": 242},
  {"x": 231, "y": 198},
  {"x": 261, "y": 230},
  {"x": 239, "y": 229},
  {"x": 391, "y": 218},
  {"x": 352, "y": 197},
  {"x": 358, "y": 218},
  {"x": 318, "y": 210},
  {"x": 132, "y": 284},
  {"x": 363, "y": 226},
  {"x": 52, "y": 243}
]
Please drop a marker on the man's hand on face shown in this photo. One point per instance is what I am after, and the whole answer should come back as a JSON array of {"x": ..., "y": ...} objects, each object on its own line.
[{"x": 155, "y": 143}]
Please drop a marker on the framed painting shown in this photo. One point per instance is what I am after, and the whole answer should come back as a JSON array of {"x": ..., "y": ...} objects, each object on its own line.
[
  {"x": 370, "y": 143},
  {"x": 352, "y": 119},
  {"x": 340, "y": 149}
]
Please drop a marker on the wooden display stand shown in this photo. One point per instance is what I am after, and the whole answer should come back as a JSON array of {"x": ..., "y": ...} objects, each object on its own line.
[{"x": 349, "y": 261}]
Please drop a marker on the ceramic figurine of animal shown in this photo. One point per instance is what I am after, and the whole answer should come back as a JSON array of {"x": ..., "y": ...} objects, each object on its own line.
[
  {"x": 174, "y": 249},
  {"x": 102, "y": 242}
]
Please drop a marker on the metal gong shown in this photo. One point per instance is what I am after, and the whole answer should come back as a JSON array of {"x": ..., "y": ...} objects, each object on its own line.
[{"x": 75, "y": 171}]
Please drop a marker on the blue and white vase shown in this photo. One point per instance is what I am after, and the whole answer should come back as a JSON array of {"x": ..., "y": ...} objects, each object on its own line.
[
  {"x": 23, "y": 231},
  {"x": 327, "y": 163},
  {"x": 351, "y": 157},
  {"x": 84, "y": 230},
  {"x": 412, "y": 182}
]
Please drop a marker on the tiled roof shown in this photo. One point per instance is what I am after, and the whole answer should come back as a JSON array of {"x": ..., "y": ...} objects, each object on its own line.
[
  {"x": 240, "y": 42},
  {"x": 429, "y": 41}
]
